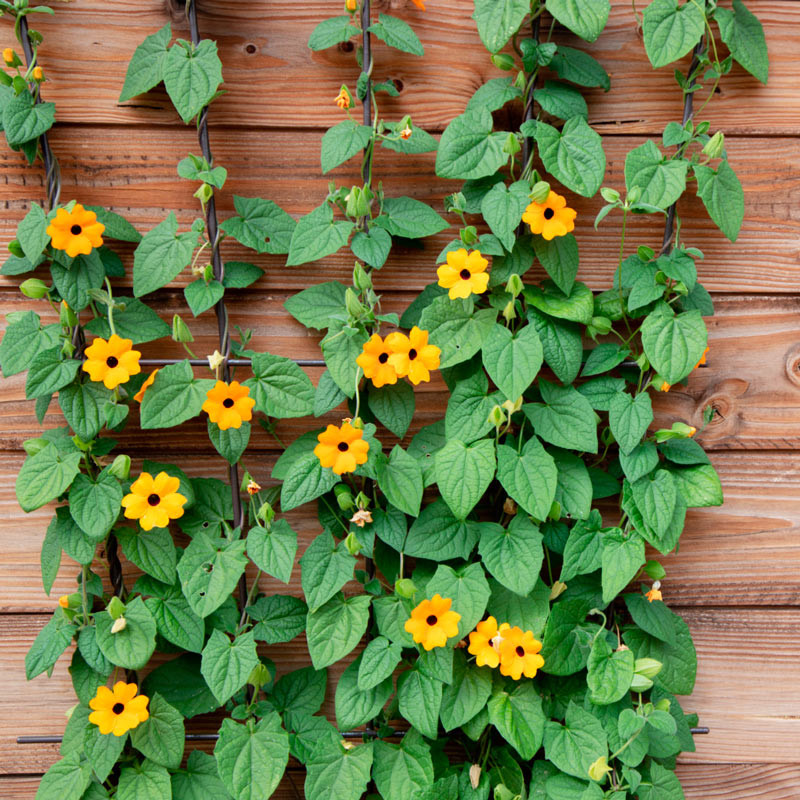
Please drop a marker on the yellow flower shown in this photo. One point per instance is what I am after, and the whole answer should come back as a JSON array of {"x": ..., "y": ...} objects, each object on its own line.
[
  {"x": 119, "y": 710},
  {"x": 692, "y": 431},
  {"x": 342, "y": 449},
  {"x": 154, "y": 501},
  {"x": 374, "y": 360},
  {"x": 665, "y": 387},
  {"x": 519, "y": 652},
  {"x": 112, "y": 362},
  {"x": 432, "y": 622},
  {"x": 76, "y": 231},
  {"x": 464, "y": 274},
  {"x": 253, "y": 487},
  {"x": 63, "y": 601},
  {"x": 412, "y": 356},
  {"x": 482, "y": 643},
  {"x": 38, "y": 74},
  {"x": 139, "y": 396},
  {"x": 655, "y": 592},
  {"x": 702, "y": 358},
  {"x": 343, "y": 99},
  {"x": 229, "y": 404},
  {"x": 351, "y": 5},
  {"x": 551, "y": 218},
  {"x": 8, "y": 55}
]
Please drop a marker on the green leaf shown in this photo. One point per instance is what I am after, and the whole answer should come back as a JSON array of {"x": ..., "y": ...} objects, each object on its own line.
[
  {"x": 562, "y": 101},
  {"x": 586, "y": 18},
  {"x": 50, "y": 559},
  {"x": 252, "y": 760},
  {"x": 456, "y": 328},
  {"x": 468, "y": 408},
  {"x": 81, "y": 404},
  {"x": 73, "y": 284},
  {"x": 273, "y": 549},
  {"x": 23, "y": 340},
  {"x": 279, "y": 618},
  {"x": 573, "y": 156},
  {"x": 316, "y": 306},
  {"x": 742, "y": 32},
  {"x": 378, "y": 662},
  {"x": 32, "y": 233},
  {"x": 400, "y": 479},
  {"x": 131, "y": 647},
  {"x": 180, "y": 683},
  {"x": 338, "y": 774},
  {"x": 341, "y": 142},
  {"x": 102, "y": 751},
  {"x": 325, "y": 568},
  {"x": 699, "y": 485},
  {"x": 398, "y": 34},
  {"x": 518, "y": 717},
  {"x": 567, "y": 638},
  {"x": 576, "y": 745},
  {"x": 192, "y": 75},
  {"x": 654, "y": 618},
  {"x": 660, "y": 180},
  {"x": 493, "y": 95},
  {"x": 582, "y": 552},
  {"x": 663, "y": 783},
  {"x": 529, "y": 477},
  {"x": 579, "y": 67},
  {"x": 299, "y": 694},
  {"x": 162, "y": 254},
  {"x": 565, "y": 419},
  {"x": 529, "y": 613},
  {"x": 240, "y": 274},
  {"x": 467, "y": 694},
  {"x": 146, "y": 68},
  {"x": 226, "y": 664},
  {"x": 327, "y": 395},
  {"x": 499, "y": 21},
  {"x": 49, "y": 644},
  {"x": 152, "y": 551},
  {"x": 306, "y": 480},
  {"x": 400, "y": 770},
  {"x": 561, "y": 345},
  {"x": 24, "y": 120},
  {"x": 420, "y": 698},
  {"x": 340, "y": 348},
  {"x": 559, "y": 257},
  {"x": 438, "y": 535},
  {"x": 679, "y": 660},
  {"x": 200, "y": 296},
  {"x": 671, "y": 30},
  {"x": 230, "y": 443},
  {"x": 372, "y": 246},
  {"x": 161, "y": 737},
  {"x": 467, "y": 588},
  {"x": 420, "y": 141},
  {"x": 577, "y": 306},
  {"x": 332, "y": 31},
  {"x": 95, "y": 505},
  {"x": 513, "y": 556},
  {"x": 610, "y": 673},
  {"x": 175, "y": 396},
  {"x": 261, "y": 225},
  {"x": 723, "y": 196},
  {"x": 334, "y": 629},
  {"x": 512, "y": 361},
  {"x": 67, "y": 779},
  {"x": 280, "y": 388},
  {"x": 469, "y": 148},
  {"x": 49, "y": 372},
  {"x": 317, "y": 235},
  {"x": 655, "y": 496},
  {"x": 209, "y": 570},
  {"x": 393, "y": 405},
  {"x": 629, "y": 419},
  {"x": 621, "y": 559},
  {"x": 464, "y": 473},
  {"x": 674, "y": 344},
  {"x": 45, "y": 476},
  {"x": 200, "y": 780},
  {"x": 410, "y": 218},
  {"x": 175, "y": 620},
  {"x": 137, "y": 322},
  {"x": 502, "y": 208}
]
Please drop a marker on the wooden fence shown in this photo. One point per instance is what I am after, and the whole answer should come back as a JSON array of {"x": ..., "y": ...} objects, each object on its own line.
[{"x": 736, "y": 579}]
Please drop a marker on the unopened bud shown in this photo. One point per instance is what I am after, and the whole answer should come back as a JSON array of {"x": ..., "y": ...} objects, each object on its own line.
[
  {"x": 353, "y": 304},
  {"x": 121, "y": 467},
  {"x": 640, "y": 683},
  {"x": 497, "y": 417},
  {"x": 352, "y": 544},
  {"x": 120, "y": 623},
  {"x": 351, "y": 5},
  {"x": 259, "y": 676},
  {"x": 609, "y": 195},
  {"x": 204, "y": 193},
  {"x": 655, "y": 571},
  {"x": 715, "y": 145},
  {"x": 509, "y": 311},
  {"x": 66, "y": 316},
  {"x": 555, "y": 511},
  {"x": 539, "y": 191},
  {"x": 663, "y": 705},
  {"x": 357, "y": 422},
  {"x": 468, "y": 235},
  {"x": 634, "y": 194},
  {"x": 405, "y": 587},
  {"x": 509, "y": 507},
  {"x": 511, "y": 144},
  {"x": 34, "y": 288},
  {"x": 180, "y": 330},
  {"x": 557, "y": 589},
  {"x": 601, "y": 324},
  {"x": 15, "y": 248},
  {"x": 34, "y": 446},
  {"x": 344, "y": 497},
  {"x": 116, "y": 608},
  {"x": 266, "y": 513},
  {"x": 647, "y": 667},
  {"x": 503, "y": 61},
  {"x": 361, "y": 278},
  {"x": 514, "y": 285},
  {"x": 512, "y": 406},
  {"x": 475, "y": 775}
]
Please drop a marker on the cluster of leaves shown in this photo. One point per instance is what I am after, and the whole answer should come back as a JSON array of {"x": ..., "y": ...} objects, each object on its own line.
[{"x": 547, "y": 431}]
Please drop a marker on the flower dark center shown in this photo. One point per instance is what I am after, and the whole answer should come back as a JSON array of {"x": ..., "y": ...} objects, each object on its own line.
[
  {"x": 383, "y": 358},
  {"x": 154, "y": 499},
  {"x": 465, "y": 274},
  {"x": 343, "y": 446},
  {"x": 118, "y": 708},
  {"x": 520, "y": 651},
  {"x": 432, "y": 620},
  {"x": 549, "y": 213},
  {"x": 112, "y": 361},
  {"x": 76, "y": 230},
  {"x": 412, "y": 353},
  {"x": 227, "y": 402}
]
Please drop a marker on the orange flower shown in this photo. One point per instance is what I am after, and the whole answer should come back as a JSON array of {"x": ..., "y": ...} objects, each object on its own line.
[
  {"x": 229, "y": 404},
  {"x": 154, "y": 501},
  {"x": 702, "y": 358},
  {"x": 692, "y": 431},
  {"x": 464, "y": 274},
  {"x": 112, "y": 362},
  {"x": 139, "y": 396},
  {"x": 519, "y": 652},
  {"x": 8, "y": 55},
  {"x": 374, "y": 360},
  {"x": 38, "y": 74},
  {"x": 351, "y": 5},
  {"x": 76, "y": 231},
  {"x": 551, "y": 218},
  {"x": 342, "y": 449},
  {"x": 343, "y": 99},
  {"x": 655, "y": 592},
  {"x": 482, "y": 643},
  {"x": 432, "y": 622},
  {"x": 253, "y": 487},
  {"x": 63, "y": 601},
  {"x": 119, "y": 710},
  {"x": 412, "y": 356},
  {"x": 406, "y": 132},
  {"x": 665, "y": 387},
  {"x": 419, "y": 4}
]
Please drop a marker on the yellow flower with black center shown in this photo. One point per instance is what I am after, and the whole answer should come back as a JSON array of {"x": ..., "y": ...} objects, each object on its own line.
[
  {"x": 76, "y": 231},
  {"x": 374, "y": 360},
  {"x": 112, "y": 361},
  {"x": 464, "y": 273},
  {"x": 118, "y": 710},
  {"x": 139, "y": 396},
  {"x": 229, "y": 404},
  {"x": 154, "y": 501},
  {"x": 342, "y": 449},
  {"x": 412, "y": 356},
  {"x": 483, "y": 643},
  {"x": 432, "y": 622},
  {"x": 519, "y": 652},
  {"x": 551, "y": 218}
]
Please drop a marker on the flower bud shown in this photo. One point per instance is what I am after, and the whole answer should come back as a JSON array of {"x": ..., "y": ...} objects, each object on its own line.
[
  {"x": 361, "y": 278},
  {"x": 509, "y": 311},
  {"x": 599, "y": 769},
  {"x": 354, "y": 202},
  {"x": 512, "y": 145},
  {"x": 34, "y": 288},
  {"x": 10, "y": 57},
  {"x": 475, "y": 775},
  {"x": 352, "y": 544},
  {"x": 34, "y": 446},
  {"x": 601, "y": 324},
  {"x": 120, "y": 467},
  {"x": 715, "y": 146},
  {"x": 509, "y": 507},
  {"x": 266, "y": 513},
  {"x": 405, "y": 588},
  {"x": 38, "y": 74},
  {"x": 647, "y": 667},
  {"x": 539, "y": 191},
  {"x": 259, "y": 676},
  {"x": 555, "y": 511},
  {"x": 655, "y": 571},
  {"x": 66, "y": 316},
  {"x": 514, "y": 285},
  {"x": 204, "y": 193},
  {"x": 353, "y": 304},
  {"x": 180, "y": 330},
  {"x": 15, "y": 248},
  {"x": 512, "y": 406},
  {"x": 640, "y": 683},
  {"x": 351, "y": 6},
  {"x": 468, "y": 235},
  {"x": 609, "y": 195},
  {"x": 455, "y": 202},
  {"x": 116, "y": 608},
  {"x": 356, "y": 423},
  {"x": 663, "y": 705},
  {"x": 557, "y": 589},
  {"x": 520, "y": 81},
  {"x": 497, "y": 417},
  {"x": 120, "y": 623},
  {"x": 503, "y": 61},
  {"x": 344, "y": 497},
  {"x": 634, "y": 194}
]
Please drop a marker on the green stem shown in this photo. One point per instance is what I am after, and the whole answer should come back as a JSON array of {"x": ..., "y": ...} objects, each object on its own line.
[{"x": 110, "y": 308}]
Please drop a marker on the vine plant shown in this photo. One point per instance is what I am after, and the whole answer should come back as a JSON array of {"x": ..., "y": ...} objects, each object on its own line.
[{"x": 503, "y": 654}]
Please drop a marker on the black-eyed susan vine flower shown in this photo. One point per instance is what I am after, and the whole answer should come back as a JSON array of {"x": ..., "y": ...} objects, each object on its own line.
[
  {"x": 343, "y": 99},
  {"x": 519, "y": 652},
  {"x": 154, "y": 501},
  {"x": 342, "y": 449},
  {"x": 412, "y": 356},
  {"x": 38, "y": 74},
  {"x": 112, "y": 361},
  {"x": 464, "y": 273},
  {"x": 483, "y": 643},
  {"x": 139, "y": 396},
  {"x": 655, "y": 592},
  {"x": 702, "y": 358},
  {"x": 551, "y": 218},
  {"x": 118, "y": 710},
  {"x": 419, "y": 4},
  {"x": 77, "y": 232},
  {"x": 433, "y": 622},
  {"x": 374, "y": 360},
  {"x": 8, "y": 55},
  {"x": 229, "y": 404}
]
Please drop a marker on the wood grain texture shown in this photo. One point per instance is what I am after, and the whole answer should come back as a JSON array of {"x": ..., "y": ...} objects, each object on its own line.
[{"x": 274, "y": 80}]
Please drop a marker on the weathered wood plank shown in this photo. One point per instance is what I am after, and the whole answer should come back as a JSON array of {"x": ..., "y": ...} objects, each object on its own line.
[
  {"x": 272, "y": 79},
  {"x": 133, "y": 171}
]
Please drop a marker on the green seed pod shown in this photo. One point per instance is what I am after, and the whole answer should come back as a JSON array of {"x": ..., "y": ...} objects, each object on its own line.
[{"x": 34, "y": 288}]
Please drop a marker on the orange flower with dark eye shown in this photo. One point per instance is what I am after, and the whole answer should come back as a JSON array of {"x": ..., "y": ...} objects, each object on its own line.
[
  {"x": 118, "y": 710},
  {"x": 464, "y": 274},
  {"x": 342, "y": 449},
  {"x": 483, "y": 643},
  {"x": 154, "y": 501},
  {"x": 139, "y": 396},
  {"x": 374, "y": 360},
  {"x": 343, "y": 99},
  {"x": 519, "y": 652},
  {"x": 229, "y": 404},
  {"x": 112, "y": 362},
  {"x": 432, "y": 622},
  {"x": 412, "y": 356},
  {"x": 76, "y": 231},
  {"x": 551, "y": 218}
]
